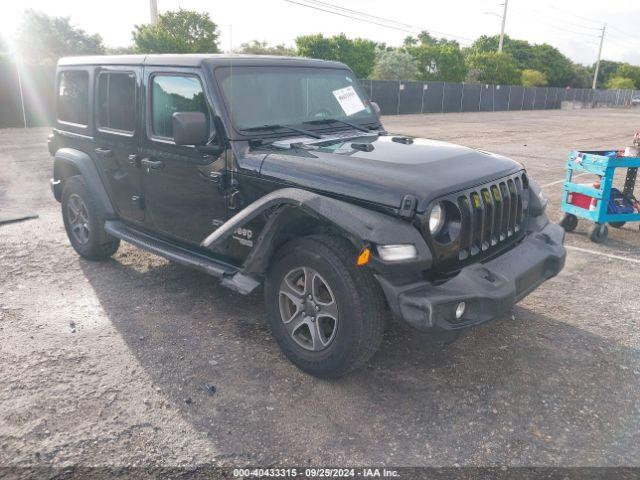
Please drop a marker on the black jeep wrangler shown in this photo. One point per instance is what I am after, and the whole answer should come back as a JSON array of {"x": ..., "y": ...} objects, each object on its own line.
[{"x": 278, "y": 171}]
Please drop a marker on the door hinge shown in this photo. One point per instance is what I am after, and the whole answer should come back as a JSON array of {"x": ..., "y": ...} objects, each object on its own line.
[
  {"x": 234, "y": 199},
  {"x": 408, "y": 206},
  {"x": 138, "y": 201}
]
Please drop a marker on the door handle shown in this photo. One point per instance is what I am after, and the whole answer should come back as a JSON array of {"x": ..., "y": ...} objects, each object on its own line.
[
  {"x": 152, "y": 164},
  {"x": 104, "y": 152},
  {"x": 134, "y": 161}
]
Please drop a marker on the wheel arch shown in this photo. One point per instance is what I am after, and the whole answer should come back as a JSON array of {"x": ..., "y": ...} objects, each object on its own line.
[
  {"x": 70, "y": 162},
  {"x": 293, "y": 212}
]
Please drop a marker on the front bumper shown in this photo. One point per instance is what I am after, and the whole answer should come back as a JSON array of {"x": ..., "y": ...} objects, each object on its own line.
[{"x": 488, "y": 289}]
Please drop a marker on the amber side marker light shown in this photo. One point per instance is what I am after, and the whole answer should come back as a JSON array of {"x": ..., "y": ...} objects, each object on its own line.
[{"x": 364, "y": 257}]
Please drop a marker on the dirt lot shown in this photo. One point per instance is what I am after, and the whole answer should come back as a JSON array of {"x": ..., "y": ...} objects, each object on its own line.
[{"x": 104, "y": 363}]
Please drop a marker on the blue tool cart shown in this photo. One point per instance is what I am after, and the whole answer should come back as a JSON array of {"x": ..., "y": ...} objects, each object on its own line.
[{"x": 601, "y": 202}]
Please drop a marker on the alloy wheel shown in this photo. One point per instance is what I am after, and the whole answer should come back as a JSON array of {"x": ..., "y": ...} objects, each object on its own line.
[
  {"x": 308, "y": 309},
  {"x": 78, "y": 217}
]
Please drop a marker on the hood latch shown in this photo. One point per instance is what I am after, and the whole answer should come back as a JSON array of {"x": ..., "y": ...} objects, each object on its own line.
[{"x": 408, "y": 206}]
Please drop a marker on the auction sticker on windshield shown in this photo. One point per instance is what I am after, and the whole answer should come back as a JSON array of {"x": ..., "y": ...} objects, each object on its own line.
[{"x": 349, "y": 100}]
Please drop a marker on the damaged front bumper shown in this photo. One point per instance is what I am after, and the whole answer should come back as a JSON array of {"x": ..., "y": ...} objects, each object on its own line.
[{"x": 488, "y": 289}]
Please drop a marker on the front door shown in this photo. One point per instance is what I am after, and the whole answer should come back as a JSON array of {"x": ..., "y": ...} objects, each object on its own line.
[
  {"x": 118, "y": 127},
  {"x": 183, "y": 189}
]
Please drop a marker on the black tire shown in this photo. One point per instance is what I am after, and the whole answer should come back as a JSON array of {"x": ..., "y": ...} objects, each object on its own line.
[
  {"x": 569, "y": 222},
  {"x": 361, "y": 315},
  {"x": 617, "y": 224},
  {"x": 95, "y": 243},
  {"x": 599, "y": 233}
]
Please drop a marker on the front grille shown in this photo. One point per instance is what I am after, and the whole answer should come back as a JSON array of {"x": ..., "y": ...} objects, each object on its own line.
[
  {"x": 491, "y": 217},
  {"x": 491, "y": 214}
]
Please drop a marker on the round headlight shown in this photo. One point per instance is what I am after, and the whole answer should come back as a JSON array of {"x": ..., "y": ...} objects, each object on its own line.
[{"x": 436, "y": 219}]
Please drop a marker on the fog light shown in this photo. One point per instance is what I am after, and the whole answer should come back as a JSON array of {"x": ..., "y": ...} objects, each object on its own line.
[
  {"x": 397, "y": 253},
  {"x": 460, "y": 310}
]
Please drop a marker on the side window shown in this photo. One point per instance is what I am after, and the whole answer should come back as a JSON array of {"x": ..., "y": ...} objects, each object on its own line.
[
  {"x": 73, "y": 97},
  {"x": 174, "y": 93},
  {"x": 117, "y": 101}
]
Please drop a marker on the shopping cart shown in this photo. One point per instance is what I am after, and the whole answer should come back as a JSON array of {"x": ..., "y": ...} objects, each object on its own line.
[{"x": 594, "y": 201}]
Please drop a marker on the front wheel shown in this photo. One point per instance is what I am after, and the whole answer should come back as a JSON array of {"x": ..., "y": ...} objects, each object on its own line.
[{"x": 326, "y": 314}]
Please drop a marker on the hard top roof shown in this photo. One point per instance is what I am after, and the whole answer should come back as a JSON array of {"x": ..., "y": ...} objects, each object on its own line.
[{"x": 196, "y": 60}]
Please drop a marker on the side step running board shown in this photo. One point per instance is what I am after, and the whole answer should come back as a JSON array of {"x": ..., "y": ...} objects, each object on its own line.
[{"x": 229, "y": 275}]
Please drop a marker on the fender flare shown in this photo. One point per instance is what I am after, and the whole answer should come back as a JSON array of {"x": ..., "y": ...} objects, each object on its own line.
[
  {"x": 360, "y": 225},
  {"x": 82, "y": 162}
]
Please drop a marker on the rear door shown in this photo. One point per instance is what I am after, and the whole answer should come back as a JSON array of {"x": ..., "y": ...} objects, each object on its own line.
[
  {"x": 183, "y": 189},
  {"x": 118, "y": 126}
]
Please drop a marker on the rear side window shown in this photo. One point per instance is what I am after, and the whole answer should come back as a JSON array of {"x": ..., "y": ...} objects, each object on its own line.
[
  {"x": 117, "y": 101},
  {"x": 174, "y": 93},
  {"x": 73, "y": 97}
]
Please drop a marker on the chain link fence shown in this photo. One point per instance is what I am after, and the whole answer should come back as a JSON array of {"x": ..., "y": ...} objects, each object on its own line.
[{"x": 406, "y": 97}]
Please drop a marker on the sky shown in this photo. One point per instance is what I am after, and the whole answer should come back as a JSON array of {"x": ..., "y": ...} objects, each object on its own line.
[{"x": 570, "y": 25}]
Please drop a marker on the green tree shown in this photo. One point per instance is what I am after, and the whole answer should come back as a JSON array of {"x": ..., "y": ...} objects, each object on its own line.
[
  {"x": 533, "y": 78},
  {"x": 180, "y": 31},
  {"x": 316, "y": 46},
  {"x": 120, "y": 50},
  {"x": 492, "y": 67},
  {"x": 607, "y": 70},
  {"x": 549, "y": 60},
  {"x": 42, "y": 39},
  {"x": 359, "y": 54},
  {"x": 256, "y": 47},
  {"x": 582, "y": 76},
  {"x": 520, "y": 50},
  {"x": 557, "y": 68},
  {"x": 394, "y": 65},
  {"x": 439, "y": 62},
  {"x": 620, "y": 82},
  {"x": 437, "y": 59},
  {"x": 629, "y": 71}
]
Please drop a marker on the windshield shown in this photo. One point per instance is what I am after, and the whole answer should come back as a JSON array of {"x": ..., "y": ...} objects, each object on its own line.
[{"x": 259, "y": 96}]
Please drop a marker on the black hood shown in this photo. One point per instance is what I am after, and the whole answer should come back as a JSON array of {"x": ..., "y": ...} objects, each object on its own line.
[{"x": 382, "y": 169}]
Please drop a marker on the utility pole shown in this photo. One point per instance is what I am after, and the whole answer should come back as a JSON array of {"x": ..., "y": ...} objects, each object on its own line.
[
  {"x": 595, "y": 74},
  {"x": 24, "y": 113},
  {"x": 504, "y": 20},
  {"x": 153, "y": 10}
]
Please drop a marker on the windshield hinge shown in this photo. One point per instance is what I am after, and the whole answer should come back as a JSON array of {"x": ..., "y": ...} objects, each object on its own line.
[{"x": 408, "y": 206}]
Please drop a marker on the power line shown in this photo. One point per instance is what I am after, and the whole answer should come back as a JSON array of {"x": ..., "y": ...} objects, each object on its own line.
[
  {"x": 592, "y": 21},
  {"x": 410, "y": 28},
  {"x": 623, "y": 32},
  {"x": 386, "y": 20},
  {"x": 554, "y": 26},
  {"x": 573, "y": 14}
]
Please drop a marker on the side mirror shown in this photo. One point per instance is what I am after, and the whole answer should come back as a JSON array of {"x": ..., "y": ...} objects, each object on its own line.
[
  {"x": 190, "y": 128},
  {"x": 376, "y": 108}
]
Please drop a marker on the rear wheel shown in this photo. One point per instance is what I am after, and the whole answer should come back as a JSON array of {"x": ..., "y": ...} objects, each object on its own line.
[
  {"x": 326, "y": 314},
  {"x": 83, "y": 222}
]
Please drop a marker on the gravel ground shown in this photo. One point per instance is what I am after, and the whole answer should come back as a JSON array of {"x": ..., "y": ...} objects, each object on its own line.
[{"x": 107, "y": 363}]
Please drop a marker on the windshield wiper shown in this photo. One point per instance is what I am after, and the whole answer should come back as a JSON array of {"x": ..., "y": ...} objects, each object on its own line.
[
  {"x": 279, "y": 127},
  {"x": 336, "y": 120}
]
